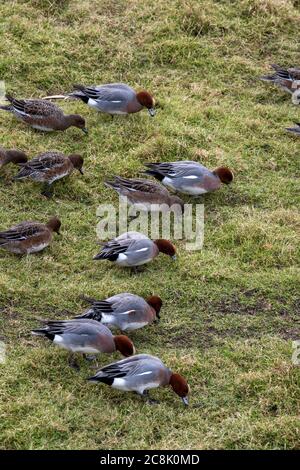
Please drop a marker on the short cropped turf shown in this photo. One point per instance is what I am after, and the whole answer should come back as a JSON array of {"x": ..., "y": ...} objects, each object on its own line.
[{"x": 231, "y": 310}]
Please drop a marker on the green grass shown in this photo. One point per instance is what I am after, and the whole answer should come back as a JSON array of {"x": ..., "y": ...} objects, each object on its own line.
[{"x": 231, "y": 310}]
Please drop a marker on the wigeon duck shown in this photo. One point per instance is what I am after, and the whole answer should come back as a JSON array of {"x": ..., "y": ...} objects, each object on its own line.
[
  {"x": 189, "y": 177},
  {"x": 84, "y": 336},
  {"x": 132, "y": 252},
  {"x": 295, "y": 130},
  {"x": 11, "y": 156},
  {"x": 287, "y": 79},
  {"x": 124, "y": 311},
  {"x": 43, "y": 115},
  {"x": 146, "y": 195},
  {"x": 49, "y": 167},
  {"x": 114, "y": 98},
  {"x": 139, "y": 374},
  {"x": 29, "y": 237}
]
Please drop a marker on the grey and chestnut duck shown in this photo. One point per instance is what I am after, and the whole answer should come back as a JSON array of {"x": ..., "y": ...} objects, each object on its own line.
[
  {"x": 124, "y": 311},
  {"x": 127, "y": 251},
  {"x": 189, "y": 177},
  {"x": 140, "y": 374},
  {"x": 84, "y": 336}
]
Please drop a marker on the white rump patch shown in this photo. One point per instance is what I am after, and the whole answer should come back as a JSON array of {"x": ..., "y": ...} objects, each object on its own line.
[
  {"x": 122, "y": 257},
  {"x": 120, "y": 384},
  {"x": 107, "y": 317},
  {"x": 58, "y": 339},
  {"x": 93, "y": 103}
]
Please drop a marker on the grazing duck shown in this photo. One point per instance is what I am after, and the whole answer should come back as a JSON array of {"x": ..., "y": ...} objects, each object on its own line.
[
  {"x": 287, "y": 79},
  {"x": 139, "y": 374},
  {"x": 124, "y": 311},
  {"x": 29, "y": 237},
  {"x": 43, "y": 115},
  {"x": 146, "y": 195},
  {"x": 114, "y": 98},
  {"x": 11, "y": 156},
  {"x": 189, "y": 177},
  {"x": 84, "y": 336},
  {"x": 132, "y": 252},
  {"x": 49, "y": 167}
]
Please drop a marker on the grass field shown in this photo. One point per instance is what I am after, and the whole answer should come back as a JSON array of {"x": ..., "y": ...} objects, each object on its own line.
[{"x": 230, "y": 310}]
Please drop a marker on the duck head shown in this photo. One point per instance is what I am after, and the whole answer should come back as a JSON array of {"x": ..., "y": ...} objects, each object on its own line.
[
  {"x": 225, "y": 174},
  {"x": 77, "y": 162},
  {"x": 156, "y": 303},
  {"x": 54, "y": 224},
  {"x": 180, "y": 387},
  {"x": 124, "y": 345},
  {"x": 77, "y": 121},
  {"x": 146, "y": 100},
  {"x": 166, "y": 247}
]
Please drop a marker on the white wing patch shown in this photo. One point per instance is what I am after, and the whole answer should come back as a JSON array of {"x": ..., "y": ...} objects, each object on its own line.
[
  {"x": 126, "y": 313},
  {"x": 146, "y": 373},
  {"x": 141, "y": 250},
  {"x": 191, "y": 177}
]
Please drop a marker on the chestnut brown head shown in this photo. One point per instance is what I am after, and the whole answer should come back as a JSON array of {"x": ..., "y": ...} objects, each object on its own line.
[
  {"x": 166, "y": 247},
  {"x": 146, "y": 100},
  {"x": 124, "y": 345},
  {"x": 155, "y": 302},
  {"x": 180, "y": 387},
  {"x": 225, "y": 174},
  {"x": 54, "y": 224},
  {"x": 77, "y": 162}
]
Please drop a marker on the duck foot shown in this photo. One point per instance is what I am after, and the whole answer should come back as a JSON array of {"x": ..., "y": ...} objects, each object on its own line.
[
  {"x": 90, "y": 357},
  {"x": 136, "y": 270},
  {"x": 151, "y": 401},
  {"x": 148, "y": 399}
]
